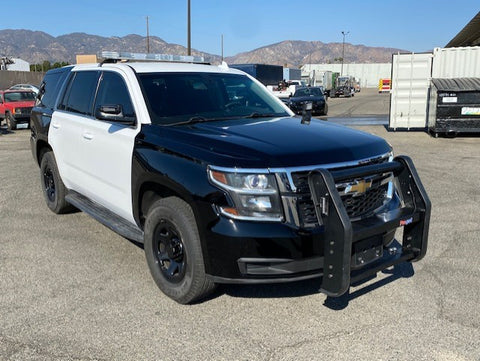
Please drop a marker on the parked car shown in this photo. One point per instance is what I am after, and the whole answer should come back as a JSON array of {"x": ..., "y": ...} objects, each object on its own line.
[
  {"x": 309, "y": 94},
  {"x": 24, "y": 87},
  {"x": 16, "y": 106},
  {"x": 219, "y": 181}
]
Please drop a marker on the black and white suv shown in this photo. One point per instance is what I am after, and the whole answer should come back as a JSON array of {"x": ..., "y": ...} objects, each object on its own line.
[{"x": 219, "y": 180}]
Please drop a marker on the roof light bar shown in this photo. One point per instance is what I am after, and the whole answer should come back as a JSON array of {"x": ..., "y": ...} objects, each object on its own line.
[{"x": 114, "y": 55}]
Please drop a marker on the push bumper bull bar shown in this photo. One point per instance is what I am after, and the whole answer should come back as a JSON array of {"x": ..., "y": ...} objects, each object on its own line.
[{"x": 342, "y": 235}]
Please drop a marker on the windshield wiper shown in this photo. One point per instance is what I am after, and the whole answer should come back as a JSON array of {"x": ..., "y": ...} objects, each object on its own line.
[
  {"x": 262, "y": 115},
  {"x": 193, "y": 120}
]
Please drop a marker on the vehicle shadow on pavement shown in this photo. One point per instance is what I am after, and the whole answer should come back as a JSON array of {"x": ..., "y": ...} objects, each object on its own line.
[
  {"x": 402, "y": 270},
  {"x": 310, "y": 287}
]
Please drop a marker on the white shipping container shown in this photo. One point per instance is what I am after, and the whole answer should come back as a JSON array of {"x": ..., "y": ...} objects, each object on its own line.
[
  {"x": 409, "y": 90},
  {"x": 456, "y": 62}
]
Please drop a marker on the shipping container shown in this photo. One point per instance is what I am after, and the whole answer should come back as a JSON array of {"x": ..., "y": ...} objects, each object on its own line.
[
  {"x": 454, "y": 106},
  {"x": 409, "y": 90},
  {"x": 264, "y": 73},
  {"x": 411, "y": 77},
  {"x": 456, "y": 62}
]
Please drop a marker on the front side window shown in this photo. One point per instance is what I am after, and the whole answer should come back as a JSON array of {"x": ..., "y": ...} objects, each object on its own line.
[
  {"x": 113, "y": 91},
  {"x": 174, "y": 98},
  {"x": 80, "y": 93}
]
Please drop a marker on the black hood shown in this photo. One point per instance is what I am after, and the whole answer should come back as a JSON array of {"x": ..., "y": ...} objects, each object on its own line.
[{"x": 266, "y": 143}]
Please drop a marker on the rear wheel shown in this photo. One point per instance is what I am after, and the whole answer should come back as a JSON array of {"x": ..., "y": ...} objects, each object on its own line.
[
  {"x": 173, "y": 251},
  {"x": 53, "y": 188},
  {"x": 11, "y": 123}
]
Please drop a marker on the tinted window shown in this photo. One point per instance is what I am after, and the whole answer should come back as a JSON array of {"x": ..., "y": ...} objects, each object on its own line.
[
  {"x": 113, "y": 91},
  {"x": 80, "y": 93},
  {"x": 177, "y": 97},
  {"x": 49, "y": 85}
]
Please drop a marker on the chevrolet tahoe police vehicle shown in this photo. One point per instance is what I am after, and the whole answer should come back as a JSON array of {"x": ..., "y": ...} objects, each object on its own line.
[{"x": 218, "y": 178}]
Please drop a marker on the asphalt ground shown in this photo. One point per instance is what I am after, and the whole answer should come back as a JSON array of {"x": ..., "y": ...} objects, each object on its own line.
[{"x": 71, "y": 289}]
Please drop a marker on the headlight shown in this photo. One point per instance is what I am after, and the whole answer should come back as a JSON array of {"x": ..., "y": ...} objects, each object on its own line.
[
  {"x": 17, "y": 110},
  {"x": 255, "y": 195}
]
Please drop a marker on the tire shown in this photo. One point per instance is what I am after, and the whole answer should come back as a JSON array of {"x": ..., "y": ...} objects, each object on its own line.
[
  {"x": 53, "y": 188},
  {"x": 174, "y": 253},
  {"x": 325, "y": 109},
  {"x": 11, "y": 123}
]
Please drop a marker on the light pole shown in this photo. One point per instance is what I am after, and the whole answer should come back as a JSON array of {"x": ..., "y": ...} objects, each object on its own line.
[
  {"x": 148, "y": 37},
  {"x": 344, "y": 33},
  {"x": 189, "y": 43}
]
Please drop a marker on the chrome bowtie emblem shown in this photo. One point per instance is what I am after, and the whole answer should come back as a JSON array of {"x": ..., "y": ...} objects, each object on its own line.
[{"x": 358, "y": 187}]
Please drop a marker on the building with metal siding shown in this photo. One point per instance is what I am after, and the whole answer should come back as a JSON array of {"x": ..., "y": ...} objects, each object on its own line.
[{"x": 367, "y": 74}]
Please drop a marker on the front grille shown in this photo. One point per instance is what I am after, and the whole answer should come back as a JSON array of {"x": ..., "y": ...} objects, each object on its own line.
[
  {"x": 365, "y": 204},
  {"x": 25, "y": 111},
  {"x": 357, "y": 205}
]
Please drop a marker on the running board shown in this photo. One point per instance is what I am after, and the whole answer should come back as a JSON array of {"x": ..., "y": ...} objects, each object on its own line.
[{"x": 105, "y": 216}]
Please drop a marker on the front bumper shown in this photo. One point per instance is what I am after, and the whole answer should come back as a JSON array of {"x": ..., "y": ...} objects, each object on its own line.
[{"x": 250, "y": 252}]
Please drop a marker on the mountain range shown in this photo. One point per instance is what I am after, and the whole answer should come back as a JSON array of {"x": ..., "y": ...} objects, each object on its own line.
[{"x": 37, "y": 46}]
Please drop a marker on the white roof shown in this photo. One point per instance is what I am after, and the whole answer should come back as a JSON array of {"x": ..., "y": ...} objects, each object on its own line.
[{"x": 161, "y": 67}]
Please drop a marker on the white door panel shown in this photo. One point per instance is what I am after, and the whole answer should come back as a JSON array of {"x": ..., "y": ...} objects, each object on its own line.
[
  {"x": 65, "y": 137},
  {"x": 106, "y": 162}
]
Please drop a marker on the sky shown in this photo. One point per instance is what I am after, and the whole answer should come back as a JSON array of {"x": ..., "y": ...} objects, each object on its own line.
[{"x": 412, "y": 25}]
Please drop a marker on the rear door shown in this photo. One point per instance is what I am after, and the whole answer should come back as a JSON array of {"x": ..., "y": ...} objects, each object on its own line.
[{"x": 94, "y": 156}]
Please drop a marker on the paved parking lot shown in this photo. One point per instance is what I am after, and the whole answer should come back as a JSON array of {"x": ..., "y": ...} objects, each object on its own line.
[{"x": 70, "y": 289}]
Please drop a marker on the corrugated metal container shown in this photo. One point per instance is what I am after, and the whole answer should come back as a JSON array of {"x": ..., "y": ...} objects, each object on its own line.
[
  {"x": 454, "y": 106},
  {"x": 409, "y": 90},
  {"x": 367, "y": 74},
  {"x": 456, "y": 62},
  {"x": 292, "y": 74}
]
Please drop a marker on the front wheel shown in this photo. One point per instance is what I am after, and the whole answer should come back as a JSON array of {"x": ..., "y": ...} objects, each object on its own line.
[
  {"x": 174, "y": 253},
  {"x": 11, "y": 122}
]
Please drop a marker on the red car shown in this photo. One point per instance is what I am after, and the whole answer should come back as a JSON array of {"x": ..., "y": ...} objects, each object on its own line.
[{"x": 16, "y": 106}]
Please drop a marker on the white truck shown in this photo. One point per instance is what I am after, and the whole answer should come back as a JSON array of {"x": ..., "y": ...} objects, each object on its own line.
[{"x": 285, "y": 89}]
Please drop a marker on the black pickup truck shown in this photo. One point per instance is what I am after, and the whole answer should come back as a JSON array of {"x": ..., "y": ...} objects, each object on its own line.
[{"x": 219, "y": 180}]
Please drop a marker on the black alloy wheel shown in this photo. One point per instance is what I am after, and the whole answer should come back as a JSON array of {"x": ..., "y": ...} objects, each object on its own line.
[
  {"x": 49, "y": 184},
  {"x": 53, "y": 188},
  {"x": 174, "y": 253},
  {"x": 169, "y": 250}
]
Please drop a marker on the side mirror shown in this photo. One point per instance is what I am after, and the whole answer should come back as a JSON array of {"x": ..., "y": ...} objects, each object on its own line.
[
  {"x": 113, "y": 113},
  {"x": 307, "y": 112}
]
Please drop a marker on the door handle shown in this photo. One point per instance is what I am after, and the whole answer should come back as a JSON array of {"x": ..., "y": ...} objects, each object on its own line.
[
  {"x": 55, "y": 125},
  {"x": 88, "y": 136}
]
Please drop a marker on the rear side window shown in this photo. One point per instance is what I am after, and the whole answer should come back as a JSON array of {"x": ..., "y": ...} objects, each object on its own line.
[
  {"x": 48, "y": 92},
  {"x": 80, "y": 93},
  {"x": 113, "y": 91}
]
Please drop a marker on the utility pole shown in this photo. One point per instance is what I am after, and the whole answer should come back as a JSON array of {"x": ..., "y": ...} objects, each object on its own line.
[
  {"x": 189, "y": 42},
  {"x": 343, "y": 49},
  {"x": 148, "y": 38}
]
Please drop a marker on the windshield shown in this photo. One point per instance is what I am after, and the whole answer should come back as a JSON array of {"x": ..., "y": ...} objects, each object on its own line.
[
  {"x": 308, "y": 92},
  {"x": 174, "y": 98},
  {"x": 18, "y": 96}
]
